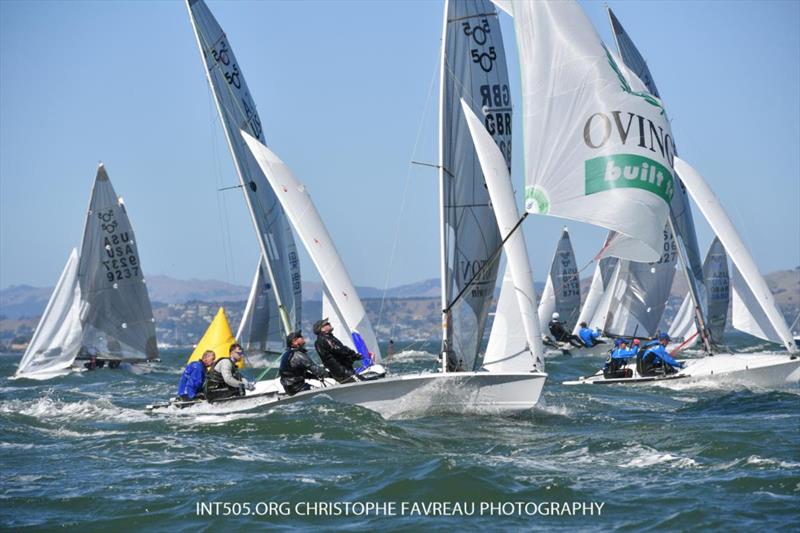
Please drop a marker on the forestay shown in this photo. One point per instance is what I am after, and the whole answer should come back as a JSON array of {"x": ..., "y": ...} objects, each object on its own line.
[
  {"x": 238, "y": 112},
  {"x": 595, "y": 143},
  {"x": 116, "y": 315},
  {"x": 315, "y": 237},
  {"x": 57, "y": 338},
  {"x": 757, "y": 298},
  {"x": 260, "y": 328}
]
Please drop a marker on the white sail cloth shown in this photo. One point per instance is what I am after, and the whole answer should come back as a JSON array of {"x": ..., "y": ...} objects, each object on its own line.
[
  {"x": 596, "y": 148},
  {"x": 757, "y": 299},
  {"x": 498, "y": 183},
  {"x": 260, "y": 328},
  {"x": 57, "y": 338},
  {"x": 305, "y": 218}
]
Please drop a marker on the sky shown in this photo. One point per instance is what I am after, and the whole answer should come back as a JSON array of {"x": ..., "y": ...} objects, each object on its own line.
[{"x": 347, "y": 93}]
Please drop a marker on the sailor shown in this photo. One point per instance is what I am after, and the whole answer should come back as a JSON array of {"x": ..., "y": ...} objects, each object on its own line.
[
  {"x": 296, "y": 366},
  {"x": 588, "y": 336},
  {"x": 560, "y": 334},
  {"x": 224, "y": 379},
  {"x": 618, "y": 359},
  {"x": 194, "y": 375},
  {"x": 657, "y": 360},
  {"x": 336, "y": 357}
]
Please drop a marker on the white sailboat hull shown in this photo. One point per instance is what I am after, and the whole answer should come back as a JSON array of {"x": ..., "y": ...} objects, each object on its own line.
[
  {"x": 756, "y": 369},
  {"x": 459, "y": 392}
]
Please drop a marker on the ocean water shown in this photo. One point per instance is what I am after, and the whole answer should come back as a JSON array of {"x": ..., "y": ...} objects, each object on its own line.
[{"x": 80, "y": 452}]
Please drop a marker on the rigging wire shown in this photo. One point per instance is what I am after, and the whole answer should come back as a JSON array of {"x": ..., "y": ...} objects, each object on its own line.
[{"x": 398, "y": 224}]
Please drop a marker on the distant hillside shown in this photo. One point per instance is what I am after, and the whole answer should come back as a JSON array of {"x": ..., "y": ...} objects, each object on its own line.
[{"x": 23, "y": 301}]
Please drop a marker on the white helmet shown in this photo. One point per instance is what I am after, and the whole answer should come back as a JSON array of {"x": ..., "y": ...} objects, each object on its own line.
[{"x": 556, "y": 316}]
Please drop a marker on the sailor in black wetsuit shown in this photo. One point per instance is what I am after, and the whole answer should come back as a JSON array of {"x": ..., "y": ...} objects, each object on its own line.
[
  {"x": 560, "y": 334},
  {"x": 336, "y": 357},
  {"x": 296, "y": 366}
]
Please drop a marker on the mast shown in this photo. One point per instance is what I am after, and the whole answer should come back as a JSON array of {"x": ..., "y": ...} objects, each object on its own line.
[
  {"x": 445, "y": 281},
  {"x": 698, "y": 311},
  {"x": 262, "y": 245}
]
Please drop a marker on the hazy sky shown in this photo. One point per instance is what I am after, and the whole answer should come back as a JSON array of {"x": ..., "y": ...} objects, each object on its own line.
[{"x": 347, "y": 94}]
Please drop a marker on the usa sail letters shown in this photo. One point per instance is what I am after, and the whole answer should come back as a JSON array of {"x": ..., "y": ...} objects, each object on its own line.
[
  {"x": 612, "y": 171},
  {"x": 121, "y": 260}
]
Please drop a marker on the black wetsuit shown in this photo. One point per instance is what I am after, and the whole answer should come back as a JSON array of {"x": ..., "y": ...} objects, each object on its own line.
[
  {"x": 295, "y": 367},
  {"x": 561, "y": 335},
  {"x": 336, "y": 357}
]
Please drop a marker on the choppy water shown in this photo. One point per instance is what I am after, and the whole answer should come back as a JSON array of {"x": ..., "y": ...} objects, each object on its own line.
[{"x": 80, "y": 452}]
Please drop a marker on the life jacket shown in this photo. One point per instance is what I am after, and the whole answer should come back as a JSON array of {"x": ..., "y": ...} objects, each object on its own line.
[{"x": 214, "y": 379}]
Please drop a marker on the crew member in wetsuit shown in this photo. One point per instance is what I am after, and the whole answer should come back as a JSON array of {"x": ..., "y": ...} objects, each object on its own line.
[
  {"x": 588, "y": 336},
  {"x": 336, "y": 357},
  {"x": 656, "y": 360},
  {"x": 224, "y": 379},
  {"x": 615, "y": 364},
  {"x": 194, "y": 375},
  {"x": 560, "y": 334},
  {"x": 296, "y": 366}
]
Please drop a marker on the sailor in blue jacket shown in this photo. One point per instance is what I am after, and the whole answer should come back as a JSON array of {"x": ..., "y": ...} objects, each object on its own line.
[
  {"x": 588, "y": 336},
  {"x": 656, "y": 357},
  {"x": 191, "y": 384},
  {"x": 614, "y": 367}
]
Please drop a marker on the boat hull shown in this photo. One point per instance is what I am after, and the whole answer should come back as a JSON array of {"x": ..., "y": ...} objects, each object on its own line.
[
  {"x": 457, "y": 392},
  {"x": 758, "y": 370}
]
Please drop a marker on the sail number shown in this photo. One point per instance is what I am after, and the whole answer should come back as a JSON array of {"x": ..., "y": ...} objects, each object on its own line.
[
  {"x": 233, "y": 76},
  {"x": 122, "y": 260},
  {"x": 479, "y": 34}
]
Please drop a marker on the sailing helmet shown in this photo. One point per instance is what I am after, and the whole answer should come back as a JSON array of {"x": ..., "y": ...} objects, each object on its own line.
[
  {"x": 556, "y": 316},
  {"x": 664, "y": 336},
  {"x": 620, "y": 342}
]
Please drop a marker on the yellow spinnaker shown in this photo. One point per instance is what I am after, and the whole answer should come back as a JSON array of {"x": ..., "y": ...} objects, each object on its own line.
[{"x": 218, "y": 337}]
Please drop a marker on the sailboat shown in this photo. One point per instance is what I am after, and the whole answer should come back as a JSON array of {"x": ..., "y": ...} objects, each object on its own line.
[
  {"x": 274, "y": 305},
  {"x": 716, "y": 278},
  {"x": 99, "y": 310},
  {"x": 471, "y": 31},
  {"x": 562, "y": 293},
  {"x": 637, "y": 171}
]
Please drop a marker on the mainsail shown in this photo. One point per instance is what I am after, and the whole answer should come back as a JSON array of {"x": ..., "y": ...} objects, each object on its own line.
[
  {"x": 473, "y": 67},
  {"x": 562, "y": 292},
  {"x": 238, "y": 112},
  {"x": 315, "y": 237},
  {"x": 596, "y": 143},
  {"x": 260, "y": 328},
  {"x": 116, "y": 315}
]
